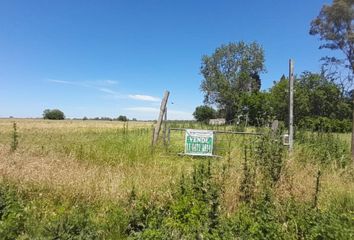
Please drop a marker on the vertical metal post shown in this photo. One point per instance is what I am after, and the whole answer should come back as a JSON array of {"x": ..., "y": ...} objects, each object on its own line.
[{"x": 291, "y": 105}]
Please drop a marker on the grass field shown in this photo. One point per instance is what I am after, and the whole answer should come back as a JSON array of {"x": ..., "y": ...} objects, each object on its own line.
[{"x": 60, "y": 165}]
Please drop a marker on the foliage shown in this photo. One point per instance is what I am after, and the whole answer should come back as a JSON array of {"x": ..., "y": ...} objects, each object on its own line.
[
  {"x": 193, "y": 213},
  {"x": 270, "y": 156},
  {"x": 278, "y": 99},
  {"x": 122, "y": 118},
  {"x": 24, "y": 217},
  {"x": 54, "y": 114},
  {"x": 204, "y": 113},
  {"x": 324, "y": 148},
  {"x": 204, "y": 202},
  {"x": 265, "y": 220},
  {"x": 247, "y": 186},
  {"x": 315, "y": 97},
  {"x": 256, "y": 107},
  {"x": 12, "y": 214},
  {"x": 334, "y": 25},
  {"x": 230, "y": 70},
  {"x": 325, "y": 124}
]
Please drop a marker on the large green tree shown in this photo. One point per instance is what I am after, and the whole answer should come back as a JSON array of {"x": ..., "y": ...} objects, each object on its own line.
[
  {"x": 204, "y": 113},
  {"x": 231, "y": 70},
  {"x": 54, "y": 114},
  {"x": 318, "y": 96},
  {"x": 315, "y": 96},
  {"x": 256, "y": 106},
  {"x": 335, "y": 27},
  {"x": 278, "y": 99}
]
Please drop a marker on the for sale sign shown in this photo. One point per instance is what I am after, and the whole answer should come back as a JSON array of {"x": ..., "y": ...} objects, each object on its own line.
[{"x": 199, "y": 142}]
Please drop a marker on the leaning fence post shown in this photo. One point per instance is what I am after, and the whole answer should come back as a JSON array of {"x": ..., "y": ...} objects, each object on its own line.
[{"x": 160, "y": 119}]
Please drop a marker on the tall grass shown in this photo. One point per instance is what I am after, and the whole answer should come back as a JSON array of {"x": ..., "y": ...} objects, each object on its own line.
[{"x": 74, "y": 179}]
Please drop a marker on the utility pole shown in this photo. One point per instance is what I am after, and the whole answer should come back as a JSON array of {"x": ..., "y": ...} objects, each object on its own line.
[{"x": 291, "y": 105}]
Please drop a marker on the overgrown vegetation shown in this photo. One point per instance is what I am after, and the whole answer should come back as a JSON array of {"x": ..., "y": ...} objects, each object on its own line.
[{"x": 197, "y": 207}]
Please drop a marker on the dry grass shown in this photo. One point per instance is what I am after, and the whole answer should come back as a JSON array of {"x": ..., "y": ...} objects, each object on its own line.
[
  {"x": 31, "y": 167},
  {"x": 67, "y": 125},
  {"x": 71, "y": 177}
]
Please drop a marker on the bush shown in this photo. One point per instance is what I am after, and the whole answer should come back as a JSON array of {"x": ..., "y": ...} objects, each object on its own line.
[
  {"x": 324, "y": 148},
  {"x": 12, "y": 214},
  {"x": 324, "y": 124},
  {"x": 122, "y": 118},
  {"x": 204, "y": 113},
  {"x": 192, "y": 214},
  {"x": 54, "y": 114}
]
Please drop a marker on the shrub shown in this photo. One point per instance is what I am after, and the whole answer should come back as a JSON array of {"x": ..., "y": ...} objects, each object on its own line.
[
  {"x": 12, "y": 214},
  {"x": 75, "y": 224},
  {"x": 324, "y": 148},
  {"x": 122, "y": 118},
  {"x": 204, "y": 113},
  {"x": 324, "y": 124},
  {"x": 193, "y": 212},
  {"x": 54, "y": 114}
]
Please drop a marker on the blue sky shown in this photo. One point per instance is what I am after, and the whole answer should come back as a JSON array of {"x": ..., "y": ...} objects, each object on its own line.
[{"x": 110, "y": 58}]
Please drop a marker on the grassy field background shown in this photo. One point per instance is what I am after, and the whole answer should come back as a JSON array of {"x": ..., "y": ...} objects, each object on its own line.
[{"x": 100, "y": 163}]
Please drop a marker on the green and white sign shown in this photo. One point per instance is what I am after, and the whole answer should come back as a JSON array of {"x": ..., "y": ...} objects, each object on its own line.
[{"x": 199, "y": 142}]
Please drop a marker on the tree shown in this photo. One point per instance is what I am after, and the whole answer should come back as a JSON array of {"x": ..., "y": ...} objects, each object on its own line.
[
  {"x": 204, "y": 113},
  {"x": 315, "y": 96},
  {"x": 278, "y": 96},
  {"x": 122, "y": 118},
  {"x": 335, "y": 27},
  {"x": 54, "y": 114},
  {"x": 318, "y": 96},
  {"x": 231, "y": 70},
  {"x": 257, "y": 107}
]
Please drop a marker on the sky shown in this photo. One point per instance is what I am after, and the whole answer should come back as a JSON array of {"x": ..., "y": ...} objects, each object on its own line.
[{"x": 110, "y": 58}]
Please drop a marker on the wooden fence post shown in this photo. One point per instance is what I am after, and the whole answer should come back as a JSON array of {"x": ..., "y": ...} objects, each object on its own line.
[{"x": 160, "y": 119}]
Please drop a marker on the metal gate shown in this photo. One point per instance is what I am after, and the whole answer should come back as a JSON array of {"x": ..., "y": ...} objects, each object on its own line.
[{"x": 224, "y": 141}]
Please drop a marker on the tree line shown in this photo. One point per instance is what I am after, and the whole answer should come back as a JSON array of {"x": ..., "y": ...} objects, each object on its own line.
[
  {"x": 322, "y": 100},
  {"x": 319, "y": 102},
  {"x": 56, "y": 114}
]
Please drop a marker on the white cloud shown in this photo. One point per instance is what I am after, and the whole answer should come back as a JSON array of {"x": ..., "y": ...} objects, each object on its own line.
[
  {"x": 89, "y": 83},
  {"x": 106, "y": 90},
  {"x": 109, "y": 82},
  {"x": 60, "y": 81},
  {"x": 80, "y": 84},
  {"x": 144, "y": 98}
]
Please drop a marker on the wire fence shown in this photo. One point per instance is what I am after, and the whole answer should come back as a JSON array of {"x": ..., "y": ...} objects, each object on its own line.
[{"x": 225, "y": 141}]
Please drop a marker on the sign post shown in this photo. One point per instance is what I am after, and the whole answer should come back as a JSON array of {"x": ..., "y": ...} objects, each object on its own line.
[{"x": 199, "y": 142}]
